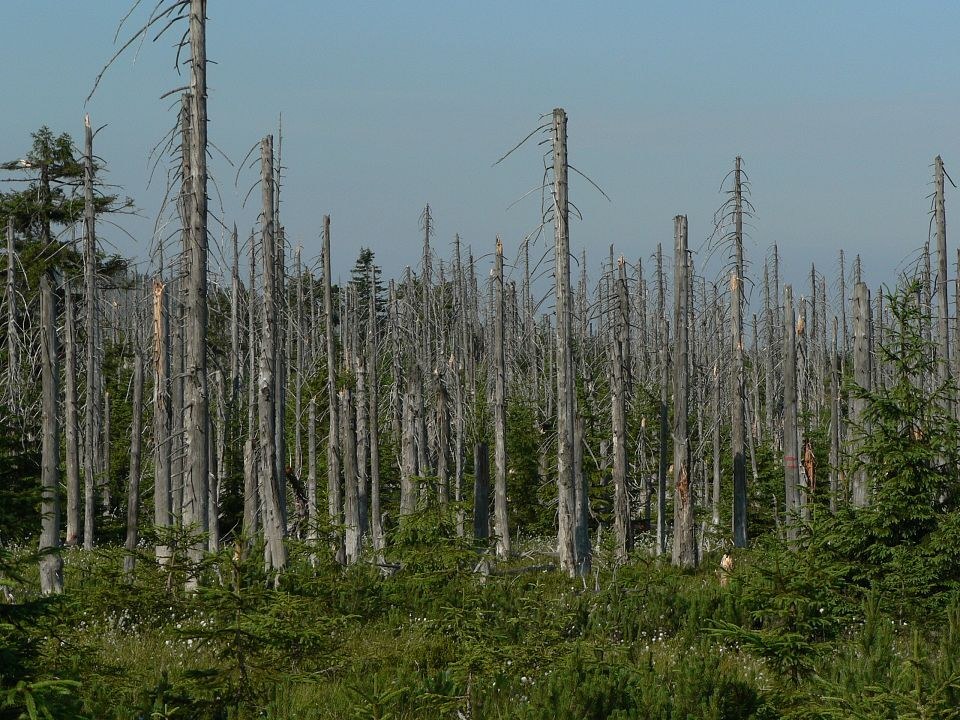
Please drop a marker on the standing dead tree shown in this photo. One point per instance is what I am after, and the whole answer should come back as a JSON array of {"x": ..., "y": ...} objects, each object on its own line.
[
  {"x": 273, "y": 526},
  {"x": 620, "y": 390},
  {"x": 501, "y": 528},
  {"x": 684, "y": 528},
  {"x": 51, "y": 564}
]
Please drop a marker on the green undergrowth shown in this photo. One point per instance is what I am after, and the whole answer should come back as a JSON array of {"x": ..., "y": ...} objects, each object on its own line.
[{"x": 790, "y": 634}]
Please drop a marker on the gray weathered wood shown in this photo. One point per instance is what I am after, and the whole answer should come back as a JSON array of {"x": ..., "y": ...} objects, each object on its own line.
[
  {"x": 500, "y": 522},
  {"x": 684, "y": 528},
  {"x": 51, "y": 564}
]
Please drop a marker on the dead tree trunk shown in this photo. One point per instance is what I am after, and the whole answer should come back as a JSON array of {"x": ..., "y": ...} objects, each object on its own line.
[
  {"x": 943, "y": 328},
  {"x": 739, "y": 425},
  {"x": 501, "y": 526},
  {"x": 862, "y": 374},
  {"x": 566, "y": 473},
  {"x": 312, "y": 469},
  {"x": 196, "y": 414},
  {"x": 481, "y": 492},
  {"x": 13, "y": 357},
  {"x": 161, "y": 419},
  {"x": 334, "y": 501},
  {"x": 791, "y": 437},
  {"x": 619, "y": 393},
  {"x": 834, "y": 419},
  {"x": 351, "y": 507},
  {"x": 684, "y": 528},
  {"x": 251, "y": 489},
  {"x": 51, "y": 564},
  {"x": 273, "y": 526},
  {"x": 70, "y": 412},
  {"x": 133, "y": 483},
  {"x": 373, "y": 396},
  {"x": 92, "y": 402}
]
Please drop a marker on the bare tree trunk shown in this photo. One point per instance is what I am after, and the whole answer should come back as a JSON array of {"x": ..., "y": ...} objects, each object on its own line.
[
  {"x": 334, "y": 500},
  {"x": 684, "y": 529},
  {"x": 408, "y": 456},
  {"x": 481, "y": 492},
  {"x": 566, "y": 473},
  {"x": 373, "y": 397},
  {"x": 351, "y": 508},
  {"x": 234, "y": 320},
  {"x": 501, "y": 526},
  {"x": 943, "y": 328},
  {"x": 862, "y": 377},
  {"x": 70, "y": 412},
  {"x": 13, "y": 357},
  {"x": 738, "y": 425},
  {"x": 834, "y": 420},
  {"x": 196, "y": 414},
  {"x": 92, "y": 402},
  {"x": 251, "y": 489},
  {"x": 217, "y": 447},
  {"x": 620, "y": 391},
  {"x": 312, "y": 469},
  {"x": 791, "y": 438},
  {"x": 161, "y": 419},
  {"x": 273, "y": 526},
  {"x": 105, "y": 459},
  {"x": 51, "y": 564},
  {"x": 664, "y": 437},
  {"x": 133, "y": 483}
]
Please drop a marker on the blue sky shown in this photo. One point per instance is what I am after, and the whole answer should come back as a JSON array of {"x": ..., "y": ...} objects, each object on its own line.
[{"x": 837, "y": 108}]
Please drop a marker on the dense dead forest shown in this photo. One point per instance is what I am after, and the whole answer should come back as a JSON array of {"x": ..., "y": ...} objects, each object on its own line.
[{"x": 648, "y": 398}]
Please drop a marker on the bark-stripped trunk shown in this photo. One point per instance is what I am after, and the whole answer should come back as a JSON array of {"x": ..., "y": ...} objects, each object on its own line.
[
  {"x": 566, "y": 473},
  {"x": 275, "y": 553},
  {"x": 791, "y": 438},
  {"x": 51, "y": 564},
  {"x": 334, "y": 500},
  {"x": 481, "y": 492},
  {"x": 133, "y": 482},
  {"x": 196, "y": 415},
  {"x": 739, "y": 425},
  {"x": 161, "y": 419},
  {"x": 373, "y": 396},
  {"x": 92, "y": 402},
  {"x": 13, "y": 357},
  {"x": 943, "y": 314},
  {"x": 620, "y": 391},
  {"x": 684, "y": 530},
  {"x": 351, "y": 500},
  {"x": 862, "y": 374},
  {"x": 501, "y": 527},
  {"x": 834, "y": 420},
  {"x": 70, "y": 412}
]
